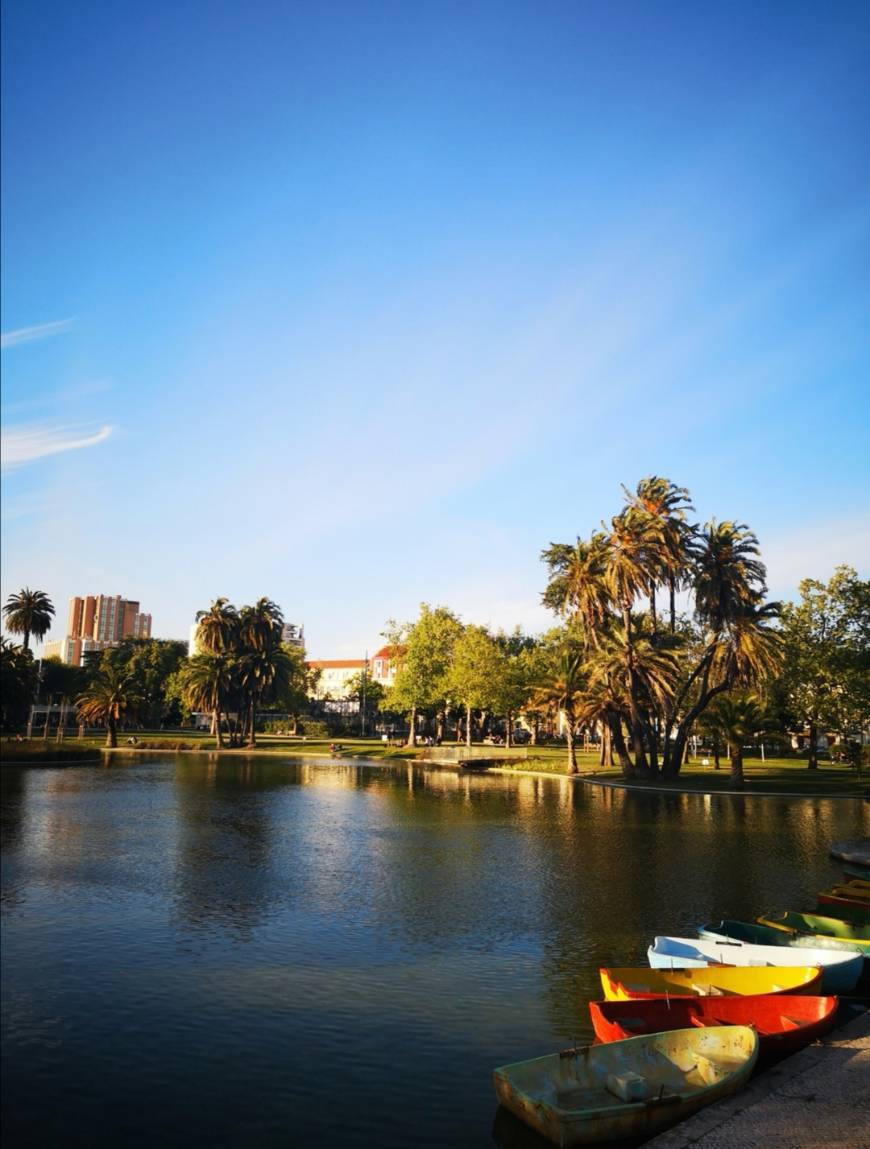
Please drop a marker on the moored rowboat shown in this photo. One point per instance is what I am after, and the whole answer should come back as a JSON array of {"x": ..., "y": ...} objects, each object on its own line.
[
  {"x": 818, "y": 925},
  {"x": 856, "y": 851},
  {"x": 846, "y": 909},
  {"x": 784, "y": 1022},
  {"x": 632, "y": 1088},
  {"x": 840, "y": 969},
  {"x": 767, "y": 935},
  {"x": 710, "y": 981}
]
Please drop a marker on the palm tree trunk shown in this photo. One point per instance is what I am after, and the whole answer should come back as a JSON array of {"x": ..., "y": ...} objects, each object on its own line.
[
  {"x": 509, "y": 730},
  {"x": 617, "y": 742},
  {"x": 735, "y": 754},
  {"x": 467, "y": 725},
  {"x": 440, "y": 720},
  {"x": 252, "y": 721},
  {"x": 216, "y": 727},
  {"x": 27, "y": 638},
  {"x": 112, "y": 736},
  {"x": 572, "y": 750},
  {"x": 654, "y": 619},
  {"x": 672, "y": 591},
  {"x": 640, "y": 760}
]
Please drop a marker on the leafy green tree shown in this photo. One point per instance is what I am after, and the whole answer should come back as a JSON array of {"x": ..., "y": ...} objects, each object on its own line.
[
  {"x": 473, "y": 676},
  {"x": 366, "y": 692},
  {"x": 424, "y": 652},
  {"x": 105, "y": 699},
  {"x": 150, "y": 664},
  {"x": 59, "y": 679},
  {"x": 826, "y": 641},
  {"x": 29, "y": 612}
]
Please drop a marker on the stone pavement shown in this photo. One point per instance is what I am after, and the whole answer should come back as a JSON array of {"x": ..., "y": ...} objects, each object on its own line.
[{"x": 816, "y": 1099}]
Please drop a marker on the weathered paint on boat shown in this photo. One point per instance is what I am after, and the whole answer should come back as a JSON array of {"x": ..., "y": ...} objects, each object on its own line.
[
  {"x": 840, "y": 969},
  {"x": 574, "y": 1097},
  {"x": 711, "y": 981},
  {"x": 784, "y": 1022},
  {"x": 767, "y": 935},
  {"x": 821, "y": 926}
]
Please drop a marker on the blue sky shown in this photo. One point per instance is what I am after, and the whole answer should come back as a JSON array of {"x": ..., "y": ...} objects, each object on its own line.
[{"x": 362, "y": 304}]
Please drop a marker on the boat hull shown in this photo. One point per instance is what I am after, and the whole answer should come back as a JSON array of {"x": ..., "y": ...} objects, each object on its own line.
[
  {"x": 637, "y": 982},
  {"x": 840, "y": 969},
  {"x": 845, "y": 909},
  {"x": 784, "y": 1022},
  {"x": 569, "y": 1099},
  {"x": 818, "y": 925},
  {"x": 767, "y": 935}
]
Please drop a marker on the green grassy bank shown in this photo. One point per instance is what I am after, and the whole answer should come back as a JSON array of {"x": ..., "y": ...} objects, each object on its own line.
[{"x": 776, "y": 775}]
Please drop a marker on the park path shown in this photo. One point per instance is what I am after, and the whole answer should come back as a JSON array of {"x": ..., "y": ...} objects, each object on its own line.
[{"x": 817, "y": 1099}]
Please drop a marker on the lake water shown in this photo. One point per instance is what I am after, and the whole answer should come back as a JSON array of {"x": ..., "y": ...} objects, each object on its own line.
[{"x": 313, "y": 953}]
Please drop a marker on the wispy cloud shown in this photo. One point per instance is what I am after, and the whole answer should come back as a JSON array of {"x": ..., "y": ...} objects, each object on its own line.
[
  {"x": 21, "y": 445},
  {"x": 29, "y": 334}
]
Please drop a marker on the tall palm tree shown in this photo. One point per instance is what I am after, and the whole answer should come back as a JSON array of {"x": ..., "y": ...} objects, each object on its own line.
[
  {"x": 209, "y": 681},
  {"x": 653, "y": 669},
  {"x": 578, "y": 586},
  {"x": 663, "y": 506},
  {"x": 628, "y": 578},
  {"x": 29, "y": 612},
  {"x": 728, "y": 574},
  {"x": 217, "y": 627},
  {"x": 265, "y": 673},
  {"x": 109, "y": 693},
  {"x": 261, "y": 625}
]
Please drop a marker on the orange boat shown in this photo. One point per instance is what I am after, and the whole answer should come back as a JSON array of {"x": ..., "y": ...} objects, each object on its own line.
[{"x": 784, "y": 1022}]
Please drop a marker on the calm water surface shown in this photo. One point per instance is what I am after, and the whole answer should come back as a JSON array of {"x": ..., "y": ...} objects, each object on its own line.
[{"x": 326, "y": 954}]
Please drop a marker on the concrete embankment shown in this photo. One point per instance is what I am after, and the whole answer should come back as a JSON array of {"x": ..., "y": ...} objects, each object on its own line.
[{"x": 817, "y": 1099}]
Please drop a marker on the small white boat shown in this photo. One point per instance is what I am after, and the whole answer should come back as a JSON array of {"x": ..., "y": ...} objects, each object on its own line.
[
  {"x": 631, "y": 1088},
  {"x": 840, "y": 969}
]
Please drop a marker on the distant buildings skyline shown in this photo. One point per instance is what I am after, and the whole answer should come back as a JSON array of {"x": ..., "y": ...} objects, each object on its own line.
[{"x": 95, "y": 622}]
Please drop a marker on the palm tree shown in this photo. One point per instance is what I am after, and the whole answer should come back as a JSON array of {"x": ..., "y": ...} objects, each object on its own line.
[
  {"x": 653, "y": 669},
  {"x": 562, "y": 691},
  {"x": 217, "y": 627},
  {"x": 627, "y": 578},
  {"x": 662, "y": 505},
  {"x": 728, "y": 574},
  {"x": 18, "y": 682},
  {"x": 265, "y": 673},
  {"x": 578, "y": 586},
  {"x": 209, "y": 680},
  {"x": 29, "y": 612},
  {"x": 737, "y": 719},
  {"x": 105, "y": 699}
]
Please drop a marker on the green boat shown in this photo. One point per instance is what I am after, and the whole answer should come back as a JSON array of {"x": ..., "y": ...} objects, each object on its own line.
[
  {"x": 841, "y": 910},
  {"x": 754, "y": 933},
  {"x": 817, "y": 925}
]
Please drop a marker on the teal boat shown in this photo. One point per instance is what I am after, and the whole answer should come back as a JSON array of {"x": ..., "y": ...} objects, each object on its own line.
[{"x": 845, "y": 911}]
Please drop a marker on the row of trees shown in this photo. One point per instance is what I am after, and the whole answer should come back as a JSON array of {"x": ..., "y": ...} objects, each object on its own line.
[{"x": 664, "y": 630}]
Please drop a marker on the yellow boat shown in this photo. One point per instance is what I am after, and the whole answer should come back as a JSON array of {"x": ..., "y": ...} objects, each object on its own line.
[
  {"x": 631, "y": 1088},
  {"x": 632, "y": 982}
]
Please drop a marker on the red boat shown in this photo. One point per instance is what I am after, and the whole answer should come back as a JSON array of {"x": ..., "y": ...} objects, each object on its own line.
[
  {"x": 831, "y": 899},
  {"x": 785, "y": 1022}
]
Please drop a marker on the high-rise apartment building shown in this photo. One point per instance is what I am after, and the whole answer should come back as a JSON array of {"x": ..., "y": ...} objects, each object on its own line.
[{"x": 96, "y": 622}]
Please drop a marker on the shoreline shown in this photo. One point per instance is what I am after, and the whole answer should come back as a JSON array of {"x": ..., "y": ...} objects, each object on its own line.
[{"x": 266, "y": 754}]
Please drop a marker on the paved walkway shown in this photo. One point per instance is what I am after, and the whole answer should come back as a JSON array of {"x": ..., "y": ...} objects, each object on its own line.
[{"x": 817, "y": 1099}]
